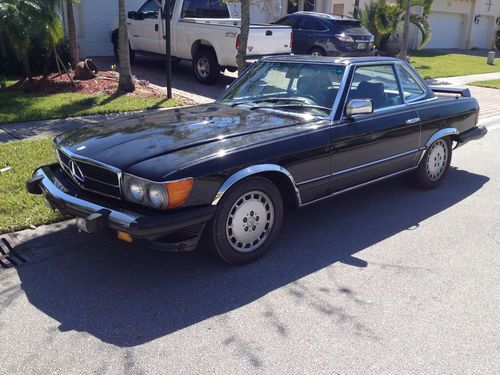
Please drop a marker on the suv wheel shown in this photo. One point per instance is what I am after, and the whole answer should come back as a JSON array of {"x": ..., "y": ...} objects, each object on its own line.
[
  {"x": 205, "y": 66},
  {"x": 316, "y": 51},
  {"x": 247, "y": 221}
]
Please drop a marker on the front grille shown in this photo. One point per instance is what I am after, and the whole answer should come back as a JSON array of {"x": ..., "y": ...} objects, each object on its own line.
[{"x": 93, "y": 177}]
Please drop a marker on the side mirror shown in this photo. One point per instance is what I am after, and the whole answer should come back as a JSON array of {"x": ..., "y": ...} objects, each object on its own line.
[
  {"x": 359, "y": 107},
  {"x": 132, "y": 15}
]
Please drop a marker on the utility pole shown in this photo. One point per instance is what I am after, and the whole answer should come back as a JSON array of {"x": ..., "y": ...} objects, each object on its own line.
[{"x": 168, "y": 51}]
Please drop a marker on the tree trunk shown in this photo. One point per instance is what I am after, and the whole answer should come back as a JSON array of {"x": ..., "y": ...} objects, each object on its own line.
[
  {"x": 245, "y": 28},
  {"x": 300, "y": 6},
  {"x": 406, "y": 32},
  {"x": 355, "y": 13},
  {"x": 125, "y": 82},
  {"x": 26, "y": 66},
  {"x": 73, "y": 43}
]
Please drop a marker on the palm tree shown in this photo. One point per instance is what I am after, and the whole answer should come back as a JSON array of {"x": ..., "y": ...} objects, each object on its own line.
[
  {"x": 388, "y": 18},
  {"x": 23, "y": 21},
  {"x": 355, "y": 13},
  {"x": 73, "y": 43},
  {"x": 125, "y": 82}
]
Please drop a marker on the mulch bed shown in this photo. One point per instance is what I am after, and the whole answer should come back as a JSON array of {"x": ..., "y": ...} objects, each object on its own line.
[{"x": 105, "y": 83}]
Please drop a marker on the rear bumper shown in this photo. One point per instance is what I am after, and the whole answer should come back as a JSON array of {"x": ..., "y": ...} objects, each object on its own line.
[
  {"x": 100, "y": 214},
  {"x": 475, "y": 133}
]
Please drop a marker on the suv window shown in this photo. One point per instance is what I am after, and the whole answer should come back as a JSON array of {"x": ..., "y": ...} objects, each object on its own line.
[
  {"x": 411, "y": 88},
  {"x": 149, "y": 9},
  {"x": 309, "y": 23},
  {"x": 205, "y": 9},
  {"x": 378, "y": 83},
  {"x": 288, "y": 21}
]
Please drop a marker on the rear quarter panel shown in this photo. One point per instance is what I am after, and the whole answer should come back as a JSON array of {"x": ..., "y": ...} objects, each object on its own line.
[{"x": 446, "y": 112}]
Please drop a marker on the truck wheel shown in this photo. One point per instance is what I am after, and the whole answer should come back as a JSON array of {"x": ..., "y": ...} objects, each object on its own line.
[
  {"x": 435, "y": 164},
  {"x": 205, "y": 66},
  {"x": 248, "y": 220}
]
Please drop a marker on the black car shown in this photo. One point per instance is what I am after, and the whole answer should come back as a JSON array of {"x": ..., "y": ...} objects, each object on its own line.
[
  {"x": 291, "y": 131},
  {"x": 321, "y": 34}
]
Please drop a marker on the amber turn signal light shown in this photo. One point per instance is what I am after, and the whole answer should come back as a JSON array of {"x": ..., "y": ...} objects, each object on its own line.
[
  {"x": 124, "y": 236},
  {"x": 178, "y": 192}
]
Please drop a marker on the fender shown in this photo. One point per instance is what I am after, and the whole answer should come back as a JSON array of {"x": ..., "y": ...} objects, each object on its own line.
[
  {"x": 253, "y": 170},
  {"x": 439, "y": 134}
]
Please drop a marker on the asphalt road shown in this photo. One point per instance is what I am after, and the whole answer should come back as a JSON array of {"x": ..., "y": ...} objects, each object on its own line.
[{"x": 387, "y": 279}]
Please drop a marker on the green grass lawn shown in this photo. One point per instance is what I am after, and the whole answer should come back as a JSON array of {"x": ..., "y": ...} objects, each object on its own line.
[
  {"x": 18, "y": 209},
  {"x": 436, "y": 64},
  {"x": 19, "y": 106},
  {"x": 492, "y": 84}
]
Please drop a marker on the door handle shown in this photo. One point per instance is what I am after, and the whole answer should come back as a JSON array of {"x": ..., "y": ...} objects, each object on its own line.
[{"x": 413, "y": 120}]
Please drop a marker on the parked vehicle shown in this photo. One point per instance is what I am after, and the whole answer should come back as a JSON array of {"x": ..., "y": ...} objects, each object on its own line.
[
  {"x": 291, "y": 131},
  {"x": 201, "y": 31},
  {"x": 320, "y": 34}
]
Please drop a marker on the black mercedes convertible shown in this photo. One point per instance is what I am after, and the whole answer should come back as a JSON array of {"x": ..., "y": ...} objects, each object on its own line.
[{"x": 289, "y": 132}]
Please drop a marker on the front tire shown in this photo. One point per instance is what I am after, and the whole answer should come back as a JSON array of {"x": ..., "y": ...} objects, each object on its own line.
[
  {"x": 316, "y": 51},
  {"x": 205, "y": 66},
  {"x": 248, "y": 220},
  {"x": 435, "y": 164}
]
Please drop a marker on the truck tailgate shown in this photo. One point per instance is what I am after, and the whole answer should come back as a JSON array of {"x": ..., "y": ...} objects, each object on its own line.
[{"x": 269, "y": 40}]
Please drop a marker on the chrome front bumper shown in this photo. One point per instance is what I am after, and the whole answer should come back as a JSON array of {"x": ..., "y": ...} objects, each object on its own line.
[{"x": 102, "y": 213}]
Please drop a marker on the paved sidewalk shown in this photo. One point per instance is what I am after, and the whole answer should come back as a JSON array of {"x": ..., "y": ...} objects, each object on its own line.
[{"x": 464, "y": 80}]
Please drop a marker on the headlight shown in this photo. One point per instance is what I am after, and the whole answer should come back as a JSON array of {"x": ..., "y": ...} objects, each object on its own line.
[
  {"x": 136, "y": 190},
  {"x": 159, "y": 195},
  {"x": 344, "y": 37}
]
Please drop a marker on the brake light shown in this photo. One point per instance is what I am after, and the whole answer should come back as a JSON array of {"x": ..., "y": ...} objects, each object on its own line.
[
  {"x": 238, "y": 41},
  {"x": 291, "y": 40},
  {"x": 477, "y": 116}
]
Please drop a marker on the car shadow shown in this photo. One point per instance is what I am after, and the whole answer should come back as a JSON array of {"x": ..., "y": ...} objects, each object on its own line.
[{"x": 126, "y": 296}]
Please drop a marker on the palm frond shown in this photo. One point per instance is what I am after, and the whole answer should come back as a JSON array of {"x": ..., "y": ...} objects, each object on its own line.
[{"x": 424, "y": 26}]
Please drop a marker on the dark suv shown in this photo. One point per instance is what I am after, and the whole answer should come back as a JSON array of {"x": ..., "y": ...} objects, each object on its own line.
[{"x": 326, "y": 35}]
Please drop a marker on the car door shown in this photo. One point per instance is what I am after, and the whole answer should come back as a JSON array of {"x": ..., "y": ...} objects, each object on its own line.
[
  {"x": 309, "y": 33},
  {"x": 144, "y": 29},
  {"x": 386, "y": 141}
]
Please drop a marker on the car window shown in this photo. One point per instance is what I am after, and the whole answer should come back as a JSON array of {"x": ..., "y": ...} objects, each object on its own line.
[
  {"x": 378, "y": 83},
  {"x": 411, "y": 88},
  {"x": 149, "y": 9},
  {"x": 309, "y": 23},
  {"x": 313, "y": 84},
  {"x": 288, "y": 21},
  {"x": 205, "y": 9}
]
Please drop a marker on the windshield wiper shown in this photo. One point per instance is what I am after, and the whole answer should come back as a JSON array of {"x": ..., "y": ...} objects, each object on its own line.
[
  {"x": 271, "y": 100},
  {"x": 302, "y": 105}
]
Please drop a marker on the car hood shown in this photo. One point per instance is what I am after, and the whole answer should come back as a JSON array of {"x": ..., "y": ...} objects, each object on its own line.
[{"x": 128, "y": 141}]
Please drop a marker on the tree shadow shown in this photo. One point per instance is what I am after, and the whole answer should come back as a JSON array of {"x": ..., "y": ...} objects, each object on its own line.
[{"x": 126, "y": 296}]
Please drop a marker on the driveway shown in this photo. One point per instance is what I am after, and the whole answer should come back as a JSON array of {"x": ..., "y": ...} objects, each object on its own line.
[
  {"x": 183, "y": 81},
  {"x": 386, "y": 279}
]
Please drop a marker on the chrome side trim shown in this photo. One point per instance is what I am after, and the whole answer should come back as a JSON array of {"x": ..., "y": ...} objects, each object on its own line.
[
  {"x": 362, "y": 166},
  {"x": 249, "y": 171},
  {"x": 359, "y": 186}
]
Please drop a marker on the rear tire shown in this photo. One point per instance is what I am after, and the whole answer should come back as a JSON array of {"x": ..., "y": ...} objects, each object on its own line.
[
  {"x": 316, "y": 51},
  {"x": 248, "y": 220},
  {"x": 205, "y": 66},
  {"x": 434, "y": 165}
]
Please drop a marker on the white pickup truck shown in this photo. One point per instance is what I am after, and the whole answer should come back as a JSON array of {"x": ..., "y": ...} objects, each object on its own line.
[{"x": 202, "y": 31}]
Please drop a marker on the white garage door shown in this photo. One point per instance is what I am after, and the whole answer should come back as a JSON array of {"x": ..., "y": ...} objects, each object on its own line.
[
  {"x": 446, "y": 30},
  {"x": 483, "y": 33}
]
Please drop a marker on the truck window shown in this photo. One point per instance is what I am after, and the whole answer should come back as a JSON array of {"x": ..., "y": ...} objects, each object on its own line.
[
  {"x": 149, "y": 9},
  {"x": 204, "y": 9}
]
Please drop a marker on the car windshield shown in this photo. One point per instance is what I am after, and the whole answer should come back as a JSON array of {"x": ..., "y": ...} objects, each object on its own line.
[{"x": 296, "y": 87}]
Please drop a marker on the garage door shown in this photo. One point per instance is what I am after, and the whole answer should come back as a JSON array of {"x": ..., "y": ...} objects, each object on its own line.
[
  {"x": 446, "y": 30},
  {"x": 483, "y": 33}
]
